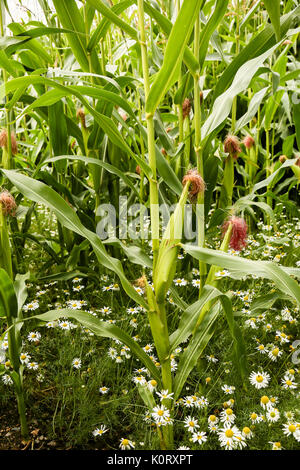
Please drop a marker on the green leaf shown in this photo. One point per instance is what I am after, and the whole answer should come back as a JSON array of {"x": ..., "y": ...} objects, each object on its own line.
[
  {"x": 21, "y": 289},
  {"x": 109, "y": 14},
  {"x": 236, "y": 264},
  {"x": 88, "y": 160},
  {"x": 273, "y": 8},
  {"x": 257, "y": 46},
  {"x": 223, "y": 104},
  {"x": 173, "y": 55},
  {"x": 211, "y": 25}
]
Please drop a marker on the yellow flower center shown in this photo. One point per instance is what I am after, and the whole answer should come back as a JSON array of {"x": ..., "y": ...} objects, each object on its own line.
[
  {"x": 292, "y": 428},
  {"x": 191, "y": 423},
  {"x": 275, "y": 352},
  {"x": 253, "y": 416},
  {"x": 246, "y": 430},
  {"x": 288, "y": 382},
  {"x": 153, "y": 383},
  {"x": 212, "y": 418},
  {"x": 125, "y": 442},
  {"x": 259, "y": 378},
  {"x": 264, "y": 400},
  {"x": 160, "y": 412},
  {"x": 228, "y": 433},
  {"x": 229, "y": 411}
]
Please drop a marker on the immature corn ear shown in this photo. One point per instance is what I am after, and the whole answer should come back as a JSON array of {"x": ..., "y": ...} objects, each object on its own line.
[
  {"x": 296, "y": 169},
  {"x": 4, "y": 141},
  {"x": 167, "y": 256}
]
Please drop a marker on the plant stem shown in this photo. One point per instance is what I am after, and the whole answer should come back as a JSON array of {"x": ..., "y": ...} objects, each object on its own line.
[
  {"x": 200, "y": 213},
  {"x": 154, "y": 206}
]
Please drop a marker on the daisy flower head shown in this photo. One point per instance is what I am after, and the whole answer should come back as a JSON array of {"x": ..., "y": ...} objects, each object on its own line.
[
  {"x": 228, "y": 389},
  {"x": 211, "y": 358},
  {"x": 247, "y": 433},
  {"x": 261, "y": 349},
  {"x": 223, "y": 273},
  {"x": 255, "y": 418},
  {"x": 76, "y": 363},
  {"x": 126, "y": 444},
  {"x": 34, "y": 336},
  {"x": 100, "y": 431},
  {"x": 273, "y": 415},
  {"x": 276, "y": 445},
  {"x": 165, "y": 395},
  {"x": 24, "y": 358},
  {"x": 191, "y": 424},
  {"x": 6, "y": 379},
  {"x": 212, "y": 420},
  {"x": 31, "y": 306},
  {"x": 103, "y": 390},
  {"x": 152, "y": 384},
  {"x": 105, "y": 310},
  {"x": 229, "y": 436},
  {"x": 266, "y": 403},
  {"x": 160, "y": 414},
  {"x": 292, "y": 429},
  {"x": 287, "y": 383},
  {"x": 201, "y": 402},
  {"x": 32, "y": 365},
  {"x": 139, "y": 380},
  {"x": 274, "y": 354},
  {"x": 227, "y": 416},
  {"x": 282, "y": 337},
  {"x": 180, "y": 282},
  {"x": 199, "y": 437},
  {"x": 259, "y": 379}
]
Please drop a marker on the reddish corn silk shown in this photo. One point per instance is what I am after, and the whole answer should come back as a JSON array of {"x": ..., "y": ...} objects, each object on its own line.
[
  {"x": 238, "y": 238},
  {"x": 232, "y": 146},
  {"x": 197, "y": 185},
  {"x": 186, "y": 108},
  {"x": 4, "y": 143},
  {"x": 248, "y": 142},
  {"x": 7, "y": 203},
  {"x": 298, "y": 162},
  {"x": 138, "y": 169},
  {"x": 81, "y": 115},
  {"x": 282, "y": 158}
]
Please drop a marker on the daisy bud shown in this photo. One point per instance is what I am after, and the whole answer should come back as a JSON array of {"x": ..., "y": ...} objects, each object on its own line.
[
  {"x": 197, "y": 185},
  {"x": 238, "y": 239},
  {"x": 186, "y": 108},
  {"x": 248, "y": 141},
  {"x": 282, "y": 158},
  {"x": 3, "y": 141},
  {"x": 7, "y": 203},
  {"x": 81, "y": 115},
  {"x": 232, "y": 146}
]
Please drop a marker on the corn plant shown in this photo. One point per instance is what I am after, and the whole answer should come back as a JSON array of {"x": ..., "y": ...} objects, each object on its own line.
[{"x": 84, "y": 149}]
